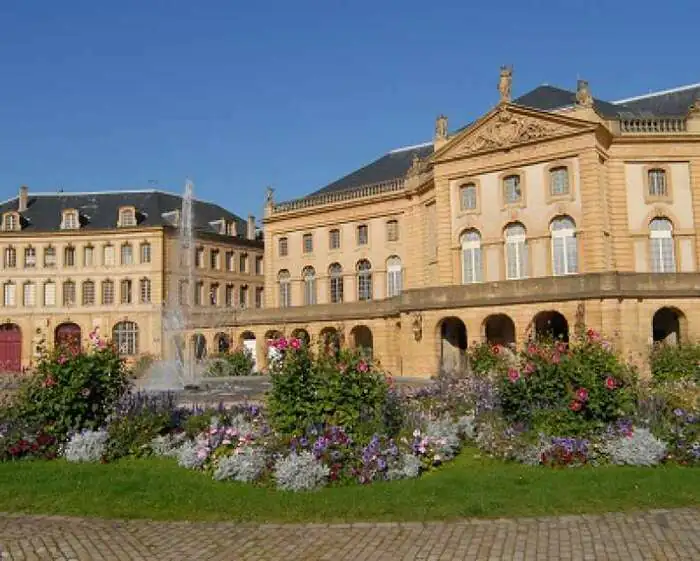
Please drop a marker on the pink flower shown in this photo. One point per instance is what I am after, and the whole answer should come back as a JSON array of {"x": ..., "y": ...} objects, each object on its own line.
[
  {"x": 593, "y": 335},
  {"x": 529, "y": 368},
  {"x": 362, "y": 366},
  {"x": 582, "y": 394},
  {"x": 342, "y": 367},
  {"x": 610, "y": 383},
  {"x": 62, "y": 359},
  {"x": 513, "y": 375},
  {"x": 281, "y": 343},
  {"x": 295, "y": 343},
  {"x": 575, "y": 405},
  {"x": 561, "y": 347},
  {"x": 556, "y": 358},
  {"x": 49, "y": 382},
  {"x": 532, "y": 349}
]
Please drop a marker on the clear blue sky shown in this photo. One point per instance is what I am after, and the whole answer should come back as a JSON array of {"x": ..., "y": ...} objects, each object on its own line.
[{"x": 99, "y": 95}]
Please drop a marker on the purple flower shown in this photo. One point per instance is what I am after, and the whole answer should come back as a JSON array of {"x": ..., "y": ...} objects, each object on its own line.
[{"x": 678, "y": 412}]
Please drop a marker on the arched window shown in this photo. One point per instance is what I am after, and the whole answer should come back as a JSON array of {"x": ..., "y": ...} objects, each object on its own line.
[
  {"x": 364, "y": 280},
  {"x": 309, "y": 277},
  {"x": 283, "y": 278},
  {"x": 512, "y": 192},
  {"x": 661, "y": 246},
  {"x": 657, "y": 184},
  {"x": 467, "y": 195},
  {"x": 564, "y": 247},
  {"x": 126, "y": 337},
  {"x": 471, "y": 257},
  {"x": 394, "y": 276},
  {"x": 559, "y": 181},
  {"x": 516, "y": 251},
  {"x": 335, "y": 272}
]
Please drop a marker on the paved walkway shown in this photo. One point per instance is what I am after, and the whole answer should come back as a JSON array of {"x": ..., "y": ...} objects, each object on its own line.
[{"x": 657, "y": 535}]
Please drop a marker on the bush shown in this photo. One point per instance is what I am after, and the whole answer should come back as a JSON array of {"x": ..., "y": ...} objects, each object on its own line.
[
  {"x": 300, "y": 472},
  {"x": 168, "y": 445},
  {"x": 21, "y": 441},
  {"x": 246, "y": 465},
  {"x": 86, "y": 446},
  {"x": 641, "y": 448},
  {"x": 670, "y": 363},
  {"x": 239, "y": 362},
  {"x": 69, "y": 392}
]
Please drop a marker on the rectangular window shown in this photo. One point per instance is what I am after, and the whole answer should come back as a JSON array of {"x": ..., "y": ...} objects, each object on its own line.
[
  {"x": 243, "y": 265},
  {"x": 285, "y": 294},
  {"x": 10, "y": 257},
  {"x": 29, "y": 300},
  {"x": 198, "y": 289},
  {"x": 70, "y": 221},
  {"x": 230, "y": 261},
  {"x": 145, "y": 290},
  {"x": 259, "y": 293},
  {"x": 10, "y": 294},
  {"x": 126, "y": 293},
  {"x": 127, "y": 218},
  {"x": 88, "y": 256},
  {"x": 243, "y": 297},
  {"x": 30, "y": 258},
  {"x": 182, "y": 291},
  {"x": 559, "y": 181},
  {"x": 199, "y": 258},
  {"x": 657, "y": 183},
  {"x": 50, "y": 257},
  {"x": 127, "y": 254},
  {"x": 362, "y": 234},
  {"x": 283, "y": 247},
  {"x": 145, "y": 253},
  {"x": 229, "y": 295},
  {"x": 50, "y": 294},
  {"x": 468, "y": 196},
  {"x": 69, "y": 257},
  {"x": 308, "y": 243},
  {"x": 107, "y": 292},
  {"x": 214, "y": 259},
  {"x": 392, "y": 231},
  {"x": 512, "y": 192},
  {"x": 108, "y": 256},
  {"x": 69, "y": 293},
  {"x": 88, "y": 293},
  {"x": 334, "y": 239},
  {"x": 258, "y": 265},
  {"x": 214, "y": 294}
]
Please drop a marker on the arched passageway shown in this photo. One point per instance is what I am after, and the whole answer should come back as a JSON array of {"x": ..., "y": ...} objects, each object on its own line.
[
  {"x": 329, "y": 340},
  {"x": 302, "y": 335},
  {"x": 248, "y": 342},
  {"x": 10, "y": 348},
  {"x": 667, "y": 326},
  {"x": 499, "y": 329},
  {"x": 199, "y": 346},
  {"x": 453, "y": 345},
  {"x": 550, "y": 325},
  {"x": 67, "y": 336},
  {"x": 362, "y": 340},
  {"x": 222, "y": 343}
]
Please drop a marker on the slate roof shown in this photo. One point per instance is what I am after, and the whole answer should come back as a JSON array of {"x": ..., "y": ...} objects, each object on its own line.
[
  {"x": 395, "y": 164},
  {"x": 99, "y": 211}
]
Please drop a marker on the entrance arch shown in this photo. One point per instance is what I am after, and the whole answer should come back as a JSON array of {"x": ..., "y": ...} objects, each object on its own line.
[
  {"x": 667, "y": 326},
  {"x": 199, "y": 346},
  {"x": 302, "y": 335},
  {"x": 68, "y": 337},
  {"x": 329, "y": 339},
  {"x": 362, "y": 340},
  {"x": 453, "y": 345},
  {"x": 273, "y": 353},
  {"x": 222, "y": 342},
  {"x": 499, "y": 329},
  {"x": 550, "y": 325},
  {"x": 10, "y": 348},
  {"x": 248, "y": 341}
]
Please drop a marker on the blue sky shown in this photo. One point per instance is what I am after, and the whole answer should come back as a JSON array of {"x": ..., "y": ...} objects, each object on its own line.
[{"x": 238, "y": 95}]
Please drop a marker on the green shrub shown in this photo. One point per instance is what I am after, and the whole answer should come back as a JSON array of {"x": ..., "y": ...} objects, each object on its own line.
[
  {"x": 486, "y": 359},
  {"x": 239, "y": 362},
  {"x": 559, "y": 389},
  {"x": 675, "y": 362},
  {"x": 71, "y": 391},
  {"x": 340, "y": 389}
]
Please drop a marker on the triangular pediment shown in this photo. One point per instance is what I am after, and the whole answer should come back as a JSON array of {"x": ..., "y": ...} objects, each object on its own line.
[{"x": 508, "y": 126}]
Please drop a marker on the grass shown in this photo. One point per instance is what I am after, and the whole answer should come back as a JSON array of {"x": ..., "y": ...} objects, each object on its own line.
[{"x": 470, "y": 486}]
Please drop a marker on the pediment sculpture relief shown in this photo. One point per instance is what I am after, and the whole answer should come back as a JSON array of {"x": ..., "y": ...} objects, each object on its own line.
[{"x": 506, "y": 129}]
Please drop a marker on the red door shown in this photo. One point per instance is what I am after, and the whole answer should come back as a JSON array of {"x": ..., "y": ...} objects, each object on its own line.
[
  {"x": 10, "y": 348},
  {"x": 68, "y": 337}
]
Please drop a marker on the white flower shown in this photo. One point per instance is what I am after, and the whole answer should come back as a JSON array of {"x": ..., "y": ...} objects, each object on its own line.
[{"x": 416, "y": 433}]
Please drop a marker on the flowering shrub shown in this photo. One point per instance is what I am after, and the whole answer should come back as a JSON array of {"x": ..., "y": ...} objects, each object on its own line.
[
  {"x": 245, "y": 465},
  {"x": 641, "y": 448},
  {"x": 675, "y": 362},
  {"x": 20, "y": 441},
  {"x": 300, "y": 472},
  {"x": 168, "y": 445},
  {"x": 73, "y": 390},
  {"x": 238, "y": 362},
  {"x": 567, "y": 452},
  {"x": 86, "y": 446},
  {"x": 489, "y": 360}
]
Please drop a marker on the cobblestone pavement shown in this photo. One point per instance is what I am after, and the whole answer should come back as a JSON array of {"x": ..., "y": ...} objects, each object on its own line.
[{"x": 657, "y": 535}]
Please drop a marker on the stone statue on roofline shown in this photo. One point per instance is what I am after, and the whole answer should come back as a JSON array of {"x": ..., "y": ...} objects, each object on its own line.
[
  {"x": 505, "y": 83},
  {"x": 441, "y": 127},
  {"x": 269, "y": 192},
  {"x": 583, "y": 94}
]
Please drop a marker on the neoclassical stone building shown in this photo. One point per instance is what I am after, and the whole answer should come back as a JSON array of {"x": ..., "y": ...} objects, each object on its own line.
[
  {"x": 76, "y": 262},
  {"x": 552, "y": 211}
]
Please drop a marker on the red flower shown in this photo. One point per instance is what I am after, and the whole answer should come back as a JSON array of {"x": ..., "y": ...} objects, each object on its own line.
[
  {"x": 295, "y": 343},
  {"x": 513, "y": 375},
  {"x": 610, "y": 383},
  {"x": 49, "y": 382},
  {"x": 575, "y": 405},
  {"x": 496, "y": 349},
  {"x": 529, "y": 368},
  {"x": 582, "y": 394},
  {"x": 362, "y": 366}
]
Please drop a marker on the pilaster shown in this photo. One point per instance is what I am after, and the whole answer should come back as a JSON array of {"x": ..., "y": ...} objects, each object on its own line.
[
  {"x": 616, "y": 194},
  {"x": 695, "y": 193},
  {"x": 595, "y": 216},
  {"x": 443, "y": 228}
]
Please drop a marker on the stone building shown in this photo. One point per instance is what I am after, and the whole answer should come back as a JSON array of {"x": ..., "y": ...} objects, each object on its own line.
[
  {"x": 76, "y": 262},
  {"x": 552, "y": 211}
]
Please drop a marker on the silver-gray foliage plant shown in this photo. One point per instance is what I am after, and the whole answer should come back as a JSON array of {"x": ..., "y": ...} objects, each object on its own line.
[
  {"x": 642, "y": 448},
  {"x": 245, "y": 465},
  {"x": 445, "y": 433},
  {"x": 409, "y": 467},
  {"x": 168, "y": 445},
  {"x": 300, "y": 472},
  {"x": 190, "y": 456},
  {"x": 86, "y": 446}
]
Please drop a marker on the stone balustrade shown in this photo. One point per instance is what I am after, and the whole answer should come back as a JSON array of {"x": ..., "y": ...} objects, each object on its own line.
[{"x": 656, "y": 125}]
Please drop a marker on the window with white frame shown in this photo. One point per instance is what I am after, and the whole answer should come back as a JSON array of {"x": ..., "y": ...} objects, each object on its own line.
[
  {"x": 126, "y": 295},
  {"x": 559, "y": 181},
  {"x": 127, "y": 217},
  {"x": 108, "y": 292},
  {"x": 70, "y": 220},
  {"x": 126, "y": 337},
  {"x": 512, "y": 192},
  {"x": 49, "y": 294},
  {"x": 467, "y": 195},
  {"x": 10, "y": 257},
  {"x": 50, "y": 257},
  {"x": 9, "y": 294},
  {"x": 285, "y": 292},
  {"x": 88, "y": 256},
  {"x": 516, "y": 251},
  {"x": 308, "y": 275},
  {"x": 10, "y": 222},
  {"x": 29, "y": 296},
  {"x": 69, "y": 293},
  {"x": 145, "y": 251},
  {"x": 88, "y": 293},
  {"x": 145, "y": 290},
  {"x": 662, "y": 252},
  {"x": 394, "y": 276},
  {"x": 657, "y": 185},
  {"x": 127, "y": 254},
  {"x": 364, "y": 280},
  {"x": 308, "y": 243},
  {"x": 392, "y": 231},
  {"x": 564, "y": 246},
  {"x": 335, "y": 273},
  {"x": 362, "y": 234},
  {"x": 29, "y": 257},
  {"x": 471, "y": 257},
  {"x": 108, "y": 255}
]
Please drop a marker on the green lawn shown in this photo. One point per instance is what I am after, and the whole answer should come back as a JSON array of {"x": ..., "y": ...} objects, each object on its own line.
[{"x": 470, "y": 486}]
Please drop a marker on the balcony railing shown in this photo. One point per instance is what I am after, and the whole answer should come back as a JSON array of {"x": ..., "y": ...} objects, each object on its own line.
[
  {"x": 662, "y": 125},
  {"x": 363, "y": 191}
]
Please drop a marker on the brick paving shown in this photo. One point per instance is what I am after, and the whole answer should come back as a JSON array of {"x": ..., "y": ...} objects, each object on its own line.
[{"x": 656, "y": 535}]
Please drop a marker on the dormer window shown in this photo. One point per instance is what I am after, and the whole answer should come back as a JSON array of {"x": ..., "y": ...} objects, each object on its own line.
[
  {"x": 70, "y": 220},
  {"x": 127, "y": 217},
  {"x": 219, "y": 226},
  {"x": 231, "y": 228},
  {"x": 10, "y": 222}
]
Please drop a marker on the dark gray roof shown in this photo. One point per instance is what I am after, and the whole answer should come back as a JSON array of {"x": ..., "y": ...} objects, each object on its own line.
[
  {"x": 543, "y": 98},
  {"x": 99, "y": 211}
]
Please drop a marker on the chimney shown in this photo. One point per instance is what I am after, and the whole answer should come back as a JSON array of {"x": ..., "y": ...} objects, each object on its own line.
[
  {"x": 23, "y": 198},
  {"x": 251, "y": 227}
]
